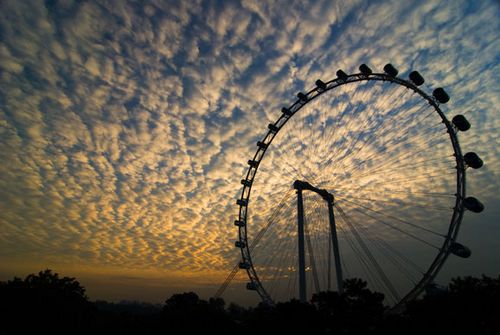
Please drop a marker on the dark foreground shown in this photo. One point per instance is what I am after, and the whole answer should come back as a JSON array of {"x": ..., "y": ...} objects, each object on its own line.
[{"x": 46, "y": 303}]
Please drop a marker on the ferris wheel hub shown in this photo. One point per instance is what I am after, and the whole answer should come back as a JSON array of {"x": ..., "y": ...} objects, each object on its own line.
[{"x": 300, "y": 185}]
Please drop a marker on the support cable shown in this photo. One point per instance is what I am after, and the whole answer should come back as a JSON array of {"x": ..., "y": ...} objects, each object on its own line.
[{"x": 372, "y": 259}]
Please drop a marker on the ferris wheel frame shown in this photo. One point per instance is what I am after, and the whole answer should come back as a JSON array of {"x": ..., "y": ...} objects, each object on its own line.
[{"x": 302, "y": 100}]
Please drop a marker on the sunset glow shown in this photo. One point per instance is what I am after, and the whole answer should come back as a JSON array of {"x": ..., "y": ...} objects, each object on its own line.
[{"x": 126, "y": 129}]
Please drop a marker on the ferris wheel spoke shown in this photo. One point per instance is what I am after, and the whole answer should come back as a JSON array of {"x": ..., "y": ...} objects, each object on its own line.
[
  {"x": 358, "y": 207},
  {"x": 360, "y": 257},
  {"x": 395, "y": 262},
  {"x": 420, "y": 176},
  {"x": 413, "y": 175},
  {"x": 398, "y": 157},
  {"x": 372, "y": 132},
  {"x": 404, "y": 258},
  {"x": 293, "y": 273},
  {"x": 372, "y": 184},
  {"x": 292, "y": 293},
  {"x": 413, "y": 115},
  {"x": 289, "y": 168},
  {"x": 393, "y": 201},
  {"x": 281, "y": 251},
  {"x": 322, "y": 239},
  {"x": 292, "y": 287},
  {"x": 283, "y": 229},
  {"x": 430, "y": 164},
  {"x": 413, "y": 178},
  {"x": 345, "y": 267},
  {"x": 427, "y": 194},
  {"x": 392, "y": 254},
  {"x": 313, "y": 221},
  {"x": 277, "y": 277},
  {"x": 310, "y": 222},
  {"x": 387, "y": 283},
  {"x": 426, "y": 198},
  {"x": 272, "y": 219},
  {"x": 255, "y": 242},
  {"x": 349, "y": 129},
  {"x": 434, "y": 163},
  {"x": 272, "y": 262},
  {"x": 375, "y": 241},
  {"x": 312, "y": 260},
  {"x": 386, "y": 217},
  {"x": 391, "y": 191},
  {"x": 271, "y": 256},
  {"x": 422, "y": 134},
  {"x": 384, "y": 129},
  {"x": 352, "y": 111}
]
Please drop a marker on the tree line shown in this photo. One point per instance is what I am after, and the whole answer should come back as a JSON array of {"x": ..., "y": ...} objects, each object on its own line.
[{"x": 51, "y": 304}]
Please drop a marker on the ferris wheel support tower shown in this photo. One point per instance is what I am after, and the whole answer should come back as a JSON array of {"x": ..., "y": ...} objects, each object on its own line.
[{"x": 328, "y": 197}]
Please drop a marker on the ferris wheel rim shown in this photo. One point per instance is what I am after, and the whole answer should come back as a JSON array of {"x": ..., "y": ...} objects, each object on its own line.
[{"x": 288, "y": 113}]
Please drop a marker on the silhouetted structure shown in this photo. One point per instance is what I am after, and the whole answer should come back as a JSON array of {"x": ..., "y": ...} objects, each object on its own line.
[
  {"x": 363, "y": 199},
  {"x": 50, "y": 304}
]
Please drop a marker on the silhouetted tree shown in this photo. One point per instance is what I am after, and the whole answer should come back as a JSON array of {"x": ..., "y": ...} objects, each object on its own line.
[
  {"x": 469, "y": 306},
  {"x": 285, "y": 317},
  {"x": 297, "y": 317},
  {"x": 365, "y": 308},
  {"x": 44, "y": 301},
  {"x": 331, "y": 307},
  {"x": 186, "y": 312},
  {"x": 127, "y": 317},
  {"x": 52, "y": 304},
  {"x": 357, "y": 311}
]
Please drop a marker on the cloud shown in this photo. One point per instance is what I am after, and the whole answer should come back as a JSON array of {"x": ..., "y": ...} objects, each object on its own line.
[{"x": 126, "y": 129}]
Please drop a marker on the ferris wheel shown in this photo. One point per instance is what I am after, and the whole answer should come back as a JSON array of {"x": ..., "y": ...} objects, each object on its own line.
[{"x": 362, "y": 176}]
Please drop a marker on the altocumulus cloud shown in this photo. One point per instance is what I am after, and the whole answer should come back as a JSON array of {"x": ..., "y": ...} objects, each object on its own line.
[{"x": 125, "y": 127}]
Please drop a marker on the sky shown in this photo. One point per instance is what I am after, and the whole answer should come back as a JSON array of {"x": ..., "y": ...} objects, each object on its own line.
[{"x": 126, "y": 126}]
